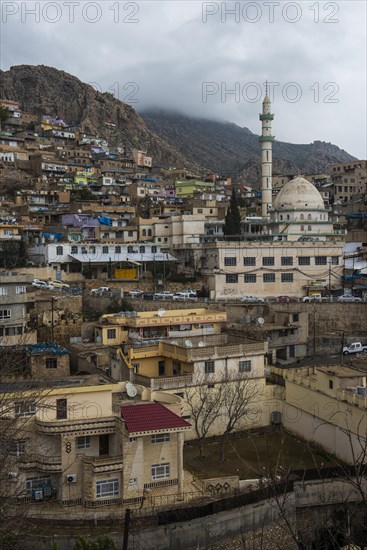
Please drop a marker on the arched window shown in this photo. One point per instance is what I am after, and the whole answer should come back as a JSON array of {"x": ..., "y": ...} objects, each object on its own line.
[
  {"x": 104, "y": 249},
  {"x": 130, "y": 249},
  {"x": 117, "y": 249},
  {"x": 287, "y": 216},
  {"x": 302, "y": 217},
  {"x": 281, "y": 216},
  {"x": 92, "y": 249},
  {"x": 74, "y": 250},
  {"x": 302, "y": 227},
  {"x": 144, "y": 232},
  {"x": 309, "y": 217},
  {"x": 59, "y": 250},
  {"x": 142, "y": 249},
  {"x": 154, "y": 249},
  {"x": 149, "y": 232},
  {"x": 309, "y": 228}
]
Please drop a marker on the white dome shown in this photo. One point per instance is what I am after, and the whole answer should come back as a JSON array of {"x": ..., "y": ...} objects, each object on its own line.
[{"x": 298, "y": 194}]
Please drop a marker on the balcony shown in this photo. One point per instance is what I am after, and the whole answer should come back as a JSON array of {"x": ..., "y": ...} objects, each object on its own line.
[
  {"x": 95, "y": 426},
  {"x": 40, "y": 462},
  {"x": 164, "y": 382},
  {"x": 105, "y": 464}
]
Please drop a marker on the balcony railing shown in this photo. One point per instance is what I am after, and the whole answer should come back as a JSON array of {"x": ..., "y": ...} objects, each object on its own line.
[
  {"x": 104, "y": 464},
  {"x": 164, "y": 382},
  {"x": 41, "y": 462},
  {"x": 93, "y": 426}
]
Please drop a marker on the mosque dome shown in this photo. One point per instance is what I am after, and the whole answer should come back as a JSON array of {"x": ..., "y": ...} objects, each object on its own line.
[{"x": 298, "y": 194}]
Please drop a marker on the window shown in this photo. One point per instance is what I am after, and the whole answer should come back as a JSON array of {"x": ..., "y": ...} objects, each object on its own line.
[
  {"x": 59, "y": 250},
  {"x": 244, "y": 366},
  {"x": 5, "y": 313},
  {"x": 144, "y": 232},
  {"x": 302, "y": 227},
  {"x": 268, "y": 261},
  {"x": 51, "y": 363},
  {"x": 92, "y": 249},
  {"x": 231, "y": 278},
  {"x": 133, "y": 481},
  {"x": 84, "y": 250},
  {"x": 154, "y": 249},
  {"x": 161, "y": 368},
  {"x": 117, "y": 249},
  {"x": 160, "y": 438},
  {"x": 286, "y": 277},
  {"x": 142, "y": 249},
  {"x": 37, "y": 483},
  {"x": 17, "y": 448},
  {"x": 111, "y": 334},
  {"x": 249, "y": 261},
  {"x": 309, "y": 217},
  {"x": 130, "y": 233},
  {"x": 61, "y": 409},
  {"x": 132, "y": 439},
  {"x": 302, "y": 217},
  {"x": 20, "y": 290},
  {"x": 335, "y": 260},
  {"x": 295, "y": 317},
  {"x": 292, "y": 351},
  {"x": 149, "y": 232},
  {"x": 309, "y": 228},
  {"x": 331, "y": 385},
  {"x": 4, "y": 291},
  {"x": 160, "y": 471},
  {"x": 25, "y": 408},
  {"x": 209, "y": 367},
  {"x": 250, "y": 278},
  {"x": 83, "y": 442},
  {"x": 230, "y": 261},
  {"x": 107, "y": 488},
  {"x": 320, "y": 260},
  {"x": 287, "y": 260},
  {"x": 130, "y": 249},
  {"x": 104, "y": 249},
  {"x": 304, "y": 260},
  {"x": 269, "y": 278}
]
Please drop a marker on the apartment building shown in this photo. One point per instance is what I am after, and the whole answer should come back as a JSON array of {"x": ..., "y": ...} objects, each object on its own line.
[
  {"x": 349, "y": 179},
  {"x": 16, "y": 300}
]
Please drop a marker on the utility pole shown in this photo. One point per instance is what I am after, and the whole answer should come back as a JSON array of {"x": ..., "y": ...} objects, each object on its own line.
[
  {"x": 52, "y": 318},
  {"x": 329, "y": 261}
]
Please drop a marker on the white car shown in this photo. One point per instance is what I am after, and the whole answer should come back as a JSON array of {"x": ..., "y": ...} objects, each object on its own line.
[
  {"x": 348, "y": 298},
  {"x": 59, "y": 284},
  {"x": 252, "y": 299},
  {"x": 101, "y": 291},
  {"x": 37, "y": 283},
  {"x": 184, "y": 295},
  {"x": 135, "y": 293}
]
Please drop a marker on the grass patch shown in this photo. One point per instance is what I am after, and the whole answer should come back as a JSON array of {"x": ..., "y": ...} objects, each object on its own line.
[{"x": 254, "y": 454}]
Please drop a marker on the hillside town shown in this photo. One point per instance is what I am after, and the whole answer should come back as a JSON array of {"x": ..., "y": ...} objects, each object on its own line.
[{"x": 149, "y": 311}]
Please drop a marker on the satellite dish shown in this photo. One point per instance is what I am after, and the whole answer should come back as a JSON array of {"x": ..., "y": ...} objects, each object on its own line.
[
  {"x": 260, "y": 321},
  {"x": 201, "y": 344},
  {"x": 131, "y": 390},
  {"x": 188, "y": 343},
  {"x": 80, "y": 211},
  {"x": 161, "y": 312}
]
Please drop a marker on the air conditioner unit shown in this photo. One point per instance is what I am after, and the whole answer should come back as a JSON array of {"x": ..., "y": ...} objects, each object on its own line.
[
  {"x": 12, "y": 476},
  {"x": 71, "y": 478}
]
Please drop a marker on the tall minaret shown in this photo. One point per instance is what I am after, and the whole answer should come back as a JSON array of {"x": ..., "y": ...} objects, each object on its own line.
[{"x": 266, "y": 140}]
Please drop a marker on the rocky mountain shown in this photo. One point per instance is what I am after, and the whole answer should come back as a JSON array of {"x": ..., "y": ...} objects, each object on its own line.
[
  {"x": 45, "y": 90},
  {"x": 229, "y": 149}
]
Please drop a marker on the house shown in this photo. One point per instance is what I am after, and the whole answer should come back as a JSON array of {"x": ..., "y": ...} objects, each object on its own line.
[{"x": 15, "y": 303}]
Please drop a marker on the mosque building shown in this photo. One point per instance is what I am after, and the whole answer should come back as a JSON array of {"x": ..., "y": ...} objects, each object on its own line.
[{"x": 293, "y": 249}]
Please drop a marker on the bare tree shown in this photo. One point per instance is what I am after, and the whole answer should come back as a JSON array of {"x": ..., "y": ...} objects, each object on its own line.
[
  {"x": 204, "y": 401},
  {"x": 238, "y": 401}
]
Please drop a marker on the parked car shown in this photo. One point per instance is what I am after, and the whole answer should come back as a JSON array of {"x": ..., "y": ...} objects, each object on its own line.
[
  {"x": 312, "y": 298},
  {"x": 164, "y": 295},
  {"x": 101, "y": 291},
  {"x": 356, "y": 347},
  {"x": 252, "y": 299},
  {"x": 135, "y": 293},
  {"x": 184, "y": 295},
  {"x": 348, "y": 298},
  {"x": 59, "y": 284},
  {"x": 285, "y": 299},
  {"x": 148, "y": 296},
  {"x": 37, "y": 283}
]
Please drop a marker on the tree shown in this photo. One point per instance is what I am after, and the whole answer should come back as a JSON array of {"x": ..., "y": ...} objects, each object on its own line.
[
  {"x": 204, "y": 403},
  {"x": 4, "y": 115},
  {"x": 232, "y": 222}
]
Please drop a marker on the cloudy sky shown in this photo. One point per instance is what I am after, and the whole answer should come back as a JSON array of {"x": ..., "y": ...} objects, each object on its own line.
[{"x": 209, "y": 59}]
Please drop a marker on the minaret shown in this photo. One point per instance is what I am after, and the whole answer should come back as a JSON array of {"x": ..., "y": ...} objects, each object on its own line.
[{"x": 266, "y": 140}]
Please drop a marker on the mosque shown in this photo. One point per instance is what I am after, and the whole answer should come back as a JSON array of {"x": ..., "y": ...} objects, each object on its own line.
[{"x": 293, "y": 249}]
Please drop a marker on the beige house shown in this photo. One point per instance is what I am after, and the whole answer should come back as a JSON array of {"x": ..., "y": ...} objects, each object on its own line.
[
  {"x": 86, "y": 442},
  {"x": 117, "y": 328},
  {"x": 349, "y": 179}
]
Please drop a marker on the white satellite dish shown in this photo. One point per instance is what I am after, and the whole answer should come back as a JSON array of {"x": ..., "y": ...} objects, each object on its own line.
[
  {"x": 161, "y": 312},
  {"x": 131, "y": 390},
  {"x": 261, "y": 321},
  {"x": 188, "y": 343},
  {"x": 80, "y": 211},
  {"x": 201, "y": 344}
]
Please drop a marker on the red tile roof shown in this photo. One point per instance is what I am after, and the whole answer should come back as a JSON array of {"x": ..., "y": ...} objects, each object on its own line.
[{"x": 151, "y": 417}]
